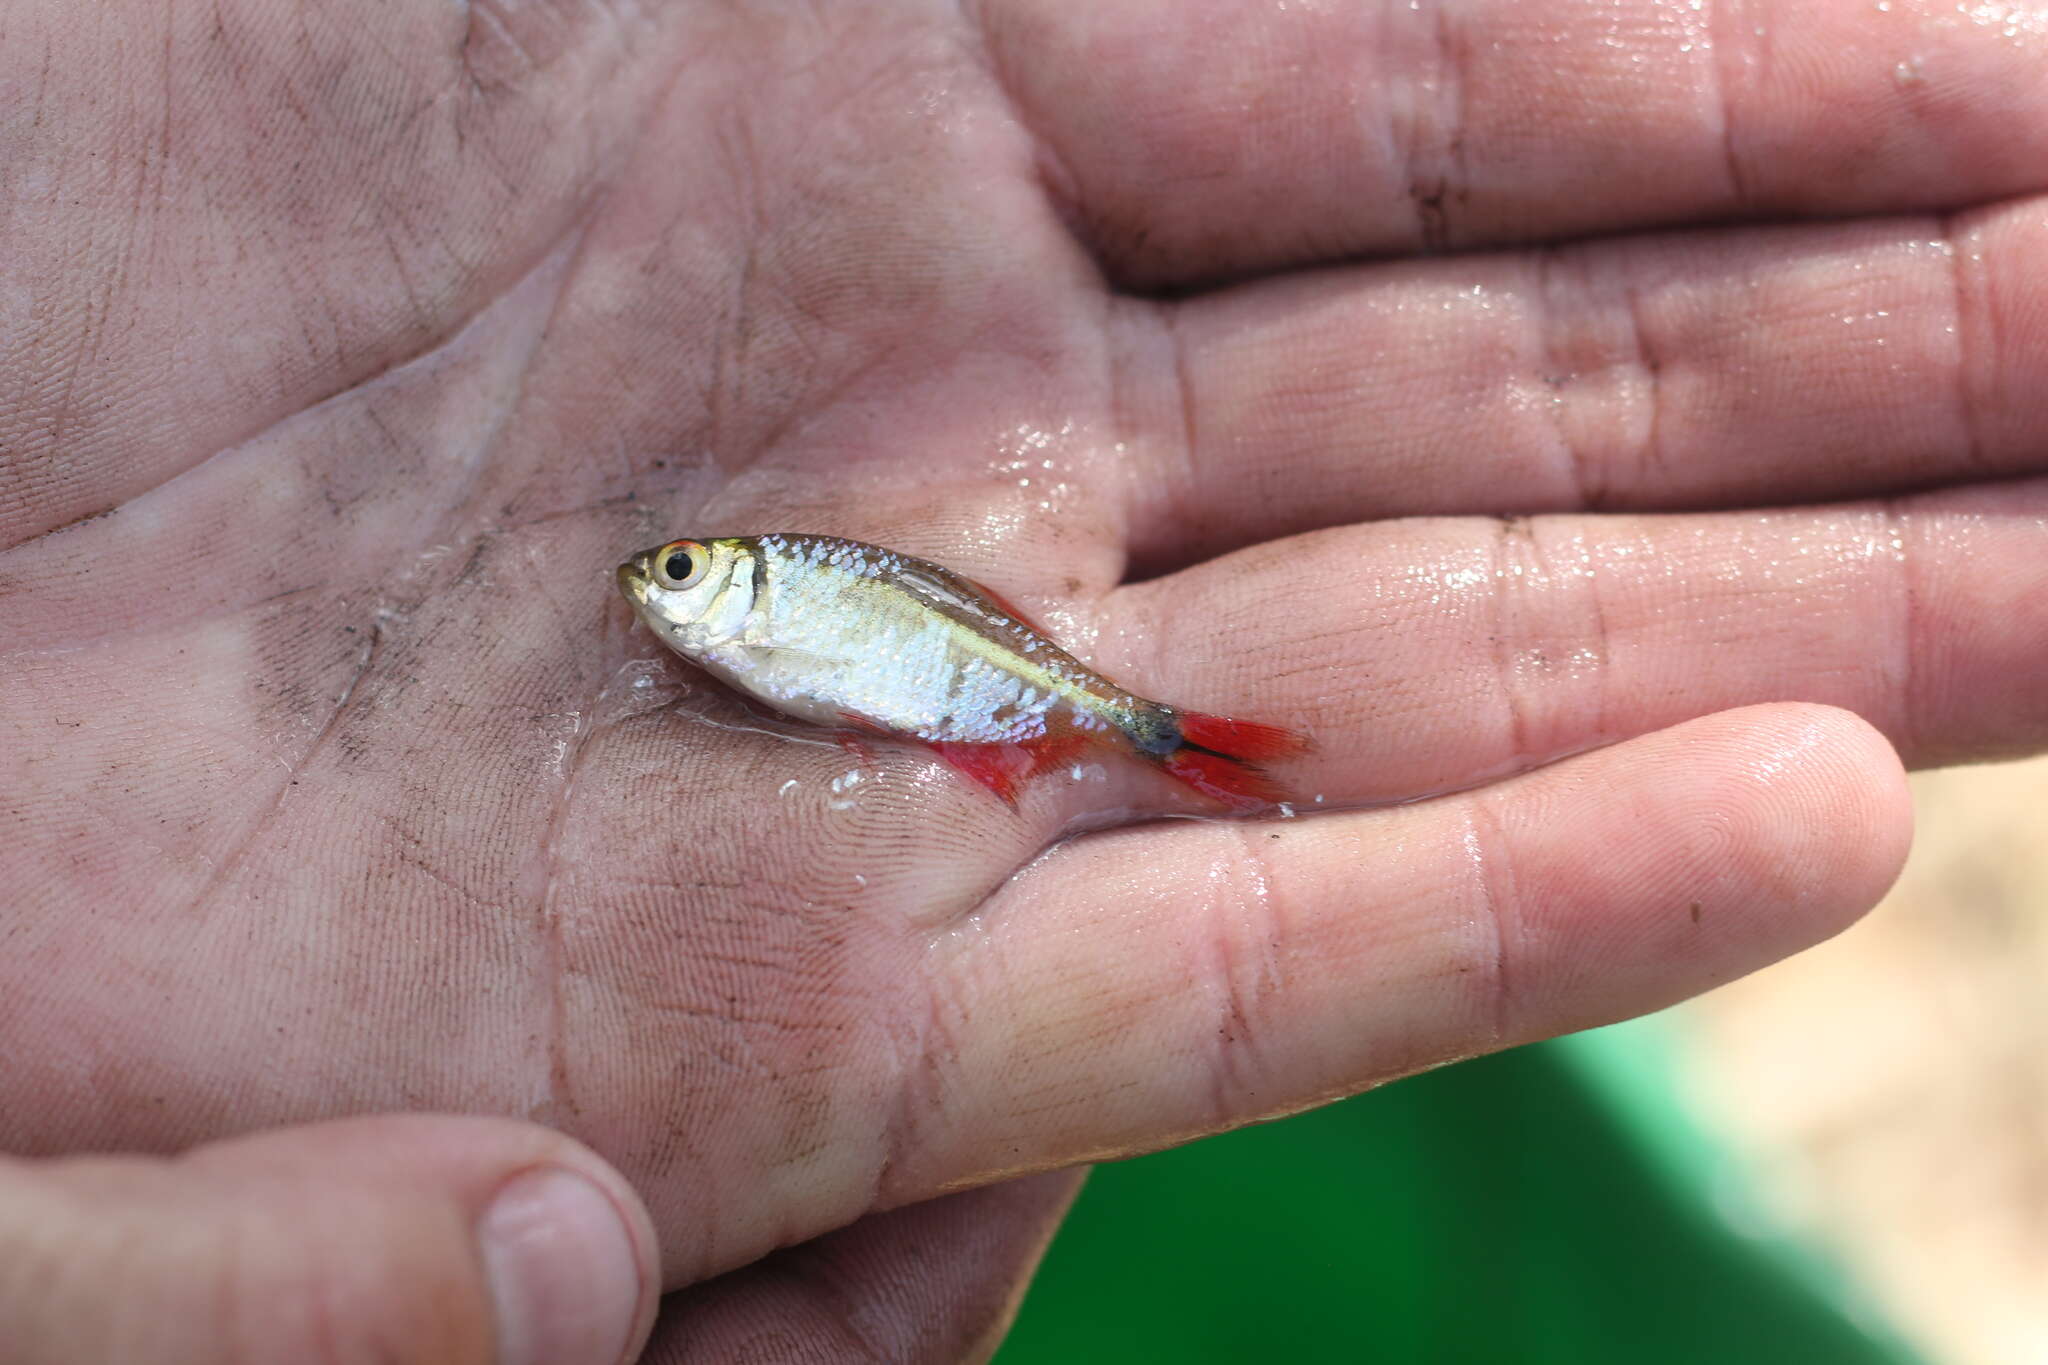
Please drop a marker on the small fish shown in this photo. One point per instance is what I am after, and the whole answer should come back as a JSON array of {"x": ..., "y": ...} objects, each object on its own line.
[{"x": 852, "y": 635}]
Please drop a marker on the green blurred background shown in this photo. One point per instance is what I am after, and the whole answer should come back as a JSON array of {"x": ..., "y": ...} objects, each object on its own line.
[{"x": 1547, "y": 1204}]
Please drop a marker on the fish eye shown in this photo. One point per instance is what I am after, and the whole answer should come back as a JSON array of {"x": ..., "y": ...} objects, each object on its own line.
[{"x": 681, "y": 564}]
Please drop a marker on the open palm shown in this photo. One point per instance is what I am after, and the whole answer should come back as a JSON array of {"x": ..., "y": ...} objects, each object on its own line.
[{"x": 348, "y": 347}]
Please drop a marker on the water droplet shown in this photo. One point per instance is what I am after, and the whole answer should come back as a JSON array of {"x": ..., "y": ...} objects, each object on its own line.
[{"x": 844, "y": 783}]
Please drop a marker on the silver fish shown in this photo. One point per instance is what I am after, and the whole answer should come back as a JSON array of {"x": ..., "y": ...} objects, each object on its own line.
[{"x": 852, "y": 635}]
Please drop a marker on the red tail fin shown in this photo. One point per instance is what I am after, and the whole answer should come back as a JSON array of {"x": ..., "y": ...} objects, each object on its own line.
[
  {"x": 1240, "y": 738},
  {"x": 1216, "y": 756},
  {"x": 1237, "y": 785}
]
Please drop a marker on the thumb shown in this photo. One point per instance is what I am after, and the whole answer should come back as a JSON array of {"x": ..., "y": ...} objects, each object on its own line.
[{"x": 444, "y": 1240}]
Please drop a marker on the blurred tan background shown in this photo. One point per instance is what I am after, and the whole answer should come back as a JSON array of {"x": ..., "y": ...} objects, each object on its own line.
[{"x": 1890, "y": 1087}]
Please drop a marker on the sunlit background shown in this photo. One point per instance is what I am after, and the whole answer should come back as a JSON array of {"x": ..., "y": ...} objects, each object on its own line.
[{"x": 1841, "y": 1159}]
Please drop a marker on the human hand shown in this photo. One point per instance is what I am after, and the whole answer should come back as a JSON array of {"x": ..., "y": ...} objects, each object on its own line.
[
  {"x": 446, "y": 1240},
  {"x": 369, "y": 344},
  {"x": 410, "y": 1238}
]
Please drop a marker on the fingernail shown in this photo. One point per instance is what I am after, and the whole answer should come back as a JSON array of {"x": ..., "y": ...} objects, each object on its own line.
[{"x": 562, "y": 1271}]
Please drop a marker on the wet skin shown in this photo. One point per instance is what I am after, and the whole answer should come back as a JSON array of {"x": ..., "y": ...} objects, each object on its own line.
[{"x": 348, "y": 351}]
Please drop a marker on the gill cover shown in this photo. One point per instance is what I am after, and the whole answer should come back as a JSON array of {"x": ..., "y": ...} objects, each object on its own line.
[{"x": 698, "y": 594}]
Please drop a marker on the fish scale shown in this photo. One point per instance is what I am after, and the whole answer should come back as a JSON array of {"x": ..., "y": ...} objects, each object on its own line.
[{"x": 899, "y": 667}]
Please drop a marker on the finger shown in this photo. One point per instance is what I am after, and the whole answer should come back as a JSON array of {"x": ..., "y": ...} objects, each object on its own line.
[
  {"x": 1147, "y": 986},
  {"x": 1746, "y": 367},
  {"x": 403, "y": 1239},
  {"x": 1234, "y": 138},
  {"x": 1428, "y": 655},
  {"x": 936, "y": 1282}
]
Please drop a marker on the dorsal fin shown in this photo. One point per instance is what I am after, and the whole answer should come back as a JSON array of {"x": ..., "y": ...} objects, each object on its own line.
[{"x": 942, "y": 587}]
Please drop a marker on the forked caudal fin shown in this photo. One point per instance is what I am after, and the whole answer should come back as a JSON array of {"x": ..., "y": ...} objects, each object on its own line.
[{"x": 1218, "y": 757}]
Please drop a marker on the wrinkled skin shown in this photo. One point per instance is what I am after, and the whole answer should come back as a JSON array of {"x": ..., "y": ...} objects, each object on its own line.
[{"x": 348, "y": 346}]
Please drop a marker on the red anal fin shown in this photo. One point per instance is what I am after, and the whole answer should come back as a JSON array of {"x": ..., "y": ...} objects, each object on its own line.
[
  {"x": 1004, "y": 768},
  {"x": 1235, "y": 784},
  {"x": 1053, "y": 751},
  {"x": 999, "y": 767},
  {"x": 1239, "y": 738}
]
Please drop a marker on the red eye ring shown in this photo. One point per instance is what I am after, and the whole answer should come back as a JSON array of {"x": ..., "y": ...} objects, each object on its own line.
[{"x": 690, "y": 556}]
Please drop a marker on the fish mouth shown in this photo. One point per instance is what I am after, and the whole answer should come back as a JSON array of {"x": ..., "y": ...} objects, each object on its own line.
[{"x": 632, "y": 581}]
